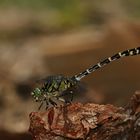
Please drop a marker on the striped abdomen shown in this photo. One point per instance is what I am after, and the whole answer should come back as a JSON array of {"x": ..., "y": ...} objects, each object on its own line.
[{"x": 117, "y": 56}]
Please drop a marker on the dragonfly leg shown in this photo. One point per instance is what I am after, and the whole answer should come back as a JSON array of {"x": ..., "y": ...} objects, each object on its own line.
[
  {"x": 61, "y": 99},
  {"x": 47, "y": 104},
  {"x": 70, "y": 99},
  {"x": 52, "y": 102},
  {"x": 40, "y": 105},
  {"x": 71, "y": 92}
]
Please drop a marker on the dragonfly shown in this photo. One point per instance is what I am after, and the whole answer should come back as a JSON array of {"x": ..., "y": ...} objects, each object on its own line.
[{"x": 54, "y": 88}]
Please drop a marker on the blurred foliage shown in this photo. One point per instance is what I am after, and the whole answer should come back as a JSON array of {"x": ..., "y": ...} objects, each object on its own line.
[
  {"x": 60, "y": 12},
  {"x": 132, "y": 7},
  {"x": 39, "y": 4},
  {"x": 55, "y": 16},
  {"x": 69, "y": 9}
]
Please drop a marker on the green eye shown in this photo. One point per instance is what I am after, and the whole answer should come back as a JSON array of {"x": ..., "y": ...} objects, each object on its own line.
[{"x": 37, "y": 92}]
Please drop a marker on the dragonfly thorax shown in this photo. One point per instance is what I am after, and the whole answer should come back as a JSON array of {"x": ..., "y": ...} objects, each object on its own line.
[{"x": 58, "y": 84}]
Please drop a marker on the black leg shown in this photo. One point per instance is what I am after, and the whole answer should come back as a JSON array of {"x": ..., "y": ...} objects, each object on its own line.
[
  {"x": 67, "y": 97},
  {"x": 71, "y": 92},
  {"x": 40, "y": 106},
  {"x": 61, "y": 99},
  {"x": 52, "y": 102},
  {"x": 47, "y": 104}
]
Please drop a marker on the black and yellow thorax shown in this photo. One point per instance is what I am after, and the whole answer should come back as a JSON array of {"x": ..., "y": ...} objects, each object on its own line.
[{"x": 58, "y": 83}]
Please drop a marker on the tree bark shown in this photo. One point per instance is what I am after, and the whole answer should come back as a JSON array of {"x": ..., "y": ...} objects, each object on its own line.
[{"x": 88, "y": 122}]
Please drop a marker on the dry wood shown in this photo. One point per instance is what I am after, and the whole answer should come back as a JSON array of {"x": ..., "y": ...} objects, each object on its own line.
[{"x": 88, "y": 121}]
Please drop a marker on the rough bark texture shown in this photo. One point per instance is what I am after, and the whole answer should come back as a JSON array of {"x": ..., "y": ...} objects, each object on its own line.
[{"x": 89, "y": 122}]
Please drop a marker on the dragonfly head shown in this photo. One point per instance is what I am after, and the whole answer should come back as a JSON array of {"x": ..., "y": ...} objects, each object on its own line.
[{"x": 37, "y": 94}]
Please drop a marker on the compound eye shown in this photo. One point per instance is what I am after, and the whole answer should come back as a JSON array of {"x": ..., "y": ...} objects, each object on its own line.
[{"x": 37, "y": 92}]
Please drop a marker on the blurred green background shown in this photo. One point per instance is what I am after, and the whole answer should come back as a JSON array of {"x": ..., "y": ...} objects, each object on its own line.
[{"x": 48, "y": 37}]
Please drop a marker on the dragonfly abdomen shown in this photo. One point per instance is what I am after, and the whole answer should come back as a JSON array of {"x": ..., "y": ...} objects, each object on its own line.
[{"x": 99, "y": 65}]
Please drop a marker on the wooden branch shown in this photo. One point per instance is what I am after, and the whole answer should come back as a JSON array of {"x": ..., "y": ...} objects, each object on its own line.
[{"x": 88, "y": 122}]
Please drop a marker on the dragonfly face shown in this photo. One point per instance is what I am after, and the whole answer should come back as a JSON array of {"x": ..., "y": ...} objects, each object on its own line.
[{"x": 37, "y": 94}]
